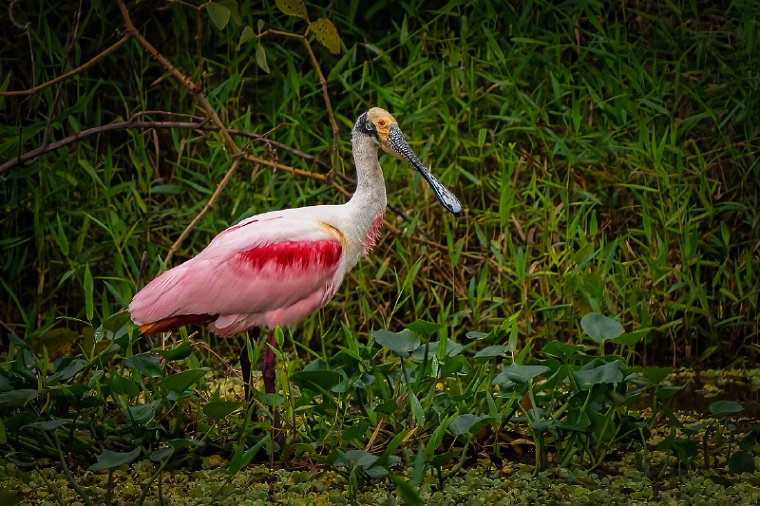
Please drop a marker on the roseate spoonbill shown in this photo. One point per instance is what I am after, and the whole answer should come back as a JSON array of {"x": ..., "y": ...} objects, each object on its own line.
[{"x": 278, "y": 267}]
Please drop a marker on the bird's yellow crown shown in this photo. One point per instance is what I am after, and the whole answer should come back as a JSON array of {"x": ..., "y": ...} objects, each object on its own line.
[{"x": 383, "y": 121}]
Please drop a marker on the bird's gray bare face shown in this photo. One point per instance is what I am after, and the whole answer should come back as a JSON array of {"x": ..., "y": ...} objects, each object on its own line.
[
  {"x": 379, "y": 125},
  {"x": 396, "y": 144}
]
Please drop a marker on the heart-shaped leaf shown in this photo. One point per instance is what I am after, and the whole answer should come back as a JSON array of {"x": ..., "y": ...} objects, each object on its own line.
[
  {"x": 518, "y": 373},
  {"x": 401, "y": 343},
  {"x": 468, "y": 424},
  {"x": 325, "y": 380},
  {"x": 112, "y": 460},
  {"x": 181, "y": 381},
  {"x": 147, "y": 364},
  {"x": 219, "y": 14},
  {"x": 216, "y": 410},
  {"x": 496, "y": 350},
  {"x": 609, "y": 372},
  {"x": 293, "y": 8},
  {"x": 723, "y": 408},
  {"x": 600, "y": 328}
]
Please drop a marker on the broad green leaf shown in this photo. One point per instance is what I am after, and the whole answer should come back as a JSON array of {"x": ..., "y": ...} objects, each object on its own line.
[
  {"x": 364, "y": 380},
  {"x": 423, "y": 328},
  {"x": 599, "y": 327},
  {"x": 385, "y": 407},
  {"x": 141, "y": 414},
  {"x": 452, "y": 349},
  {"x": 359, "y": 458},
  {"x": 123, "y": 386},
  {"x": 17, "y": 397},
  {"x": 293, "y": 8},
  {"x": 325, "y": 380},
  {"x": 219, "y": 14},
  {"x": 261, "y": 58},
  {"x": 326, "y": 34},
  {"x": 247, "y": 35},
  {"x": 631, "y": 338},
  {"x": 655, "y": 375},
  {"x": 401, "y": 343},
  {"x": 356, "y": 432},
  {"x": 48, "y": 424},
  {"x": 519, "y": 373},
  {"x": 112, "y": 460},
  {"x": 181, "y": 381},
  {"x": 70, "y": 370},
  {"x": 116, "y": 321},
  {"x": 180, "y": 352},
  {"x": 161, "y": 454},
  {"x": 722, "y": 408},
  {"x": 496, "y": 350},
  {"x": 147, "y": 364},
  {"x": 741, "y": 462},
  {"x": 377, "y": 472},
  {"x": 468, "y": 424},
  {"x": 560, "y": 350},
  {"x": 232, "y": 5},
  {"x": 217, "y": 410},
  {"x": 609, "y": 372},
  {"x": 186, "y": 443}
]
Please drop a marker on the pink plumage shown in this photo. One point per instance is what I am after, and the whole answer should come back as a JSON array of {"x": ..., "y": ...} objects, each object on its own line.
[
  {"x": 274, "y": 269},
  {"x": 277, "y": 268}
]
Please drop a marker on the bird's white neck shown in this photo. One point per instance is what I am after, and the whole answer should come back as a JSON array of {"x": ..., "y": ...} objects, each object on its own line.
[
  {"x": 368, "y": 202},
  {"x": 370, "y": 185}
]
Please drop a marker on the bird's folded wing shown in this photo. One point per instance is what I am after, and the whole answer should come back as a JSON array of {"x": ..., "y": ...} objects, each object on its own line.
[{"x": 256, "y": 266}]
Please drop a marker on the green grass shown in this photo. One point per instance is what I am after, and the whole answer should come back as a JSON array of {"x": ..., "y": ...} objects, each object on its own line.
[{"x": 606, "y": 157}]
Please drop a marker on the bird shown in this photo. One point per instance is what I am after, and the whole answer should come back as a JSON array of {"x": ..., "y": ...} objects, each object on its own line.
[{"x": 276, "y": 268}]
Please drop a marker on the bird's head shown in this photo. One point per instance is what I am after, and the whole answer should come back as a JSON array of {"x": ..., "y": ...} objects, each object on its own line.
[{"x": 381, "y": 126}]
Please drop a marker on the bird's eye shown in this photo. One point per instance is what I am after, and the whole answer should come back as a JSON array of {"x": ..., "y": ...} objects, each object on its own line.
[{"x": 381, "y": 122}]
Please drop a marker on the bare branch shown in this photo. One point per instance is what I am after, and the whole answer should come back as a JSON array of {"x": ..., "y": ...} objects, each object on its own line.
[
  {"x": 130, "y": 124},
  {"x": 78, "y": 70}
]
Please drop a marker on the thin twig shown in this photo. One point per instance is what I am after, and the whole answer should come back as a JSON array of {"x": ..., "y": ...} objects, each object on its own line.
[
  {"x": 130, "y": 124},
  {"x": 78, "y": 70},
  {"x": 286, "y": 168}
]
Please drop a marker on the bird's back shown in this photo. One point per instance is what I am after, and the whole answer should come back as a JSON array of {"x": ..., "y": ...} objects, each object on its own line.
[{"x": 270, "y": 269}]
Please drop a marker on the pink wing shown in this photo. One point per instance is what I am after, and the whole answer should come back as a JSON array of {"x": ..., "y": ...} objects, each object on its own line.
[{"x": 272, "y": 269}]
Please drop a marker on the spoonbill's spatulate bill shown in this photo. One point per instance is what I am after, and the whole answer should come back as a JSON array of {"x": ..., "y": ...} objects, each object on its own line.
[{"x": 278, "y": 267}]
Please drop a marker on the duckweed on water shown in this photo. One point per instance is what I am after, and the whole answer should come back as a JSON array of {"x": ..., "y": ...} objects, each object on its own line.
[{"x": 480, "y": 486}]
